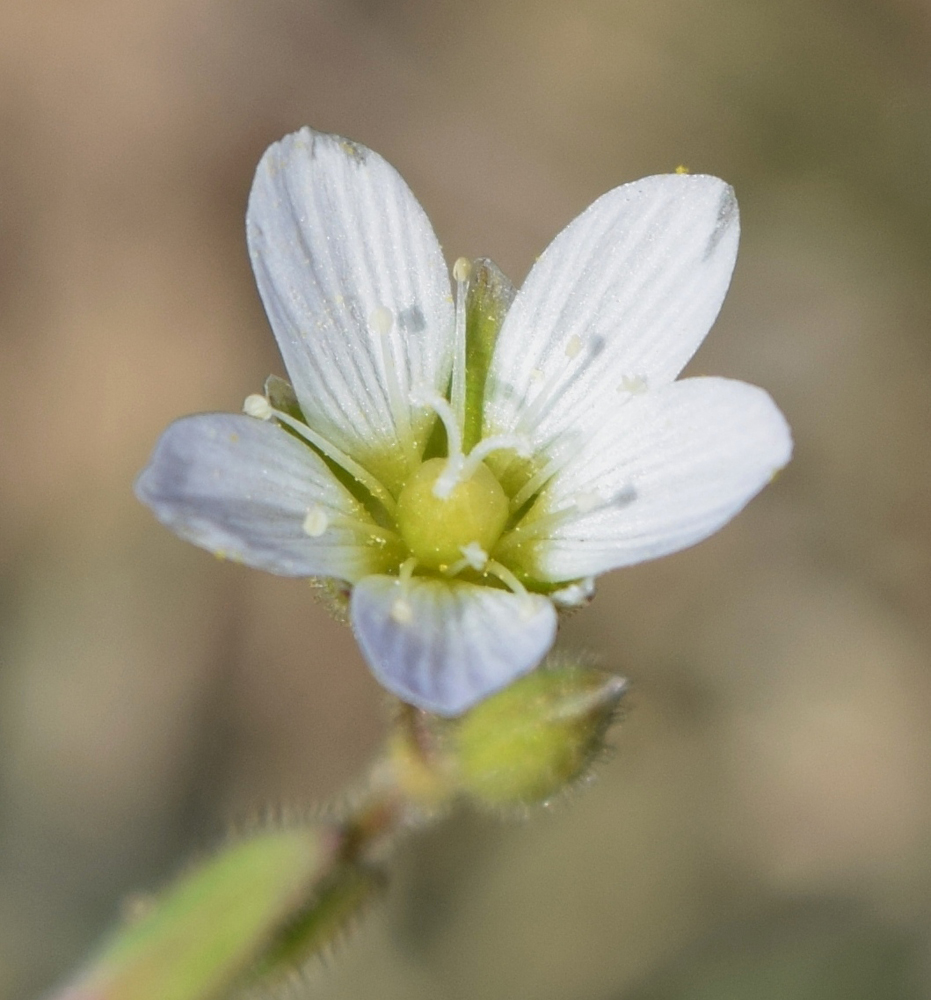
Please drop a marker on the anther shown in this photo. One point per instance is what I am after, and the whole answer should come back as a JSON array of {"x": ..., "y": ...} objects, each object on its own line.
[
  {"x": 257, "y": 406},
  {"x": 462, "y": 269},
  {"x": 316, "y": 522}
]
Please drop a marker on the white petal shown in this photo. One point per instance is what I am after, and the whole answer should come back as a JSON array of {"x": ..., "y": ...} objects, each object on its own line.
[
  {"x": 445, "y": 645},
  {"x": 619, "y": 301},
  {"x": 243, "y": 489},
  {"x": 335, "y": 235},
  {"x": 664, "y": 472}
]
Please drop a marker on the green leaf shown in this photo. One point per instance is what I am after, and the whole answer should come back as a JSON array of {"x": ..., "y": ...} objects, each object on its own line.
[{"x": 206, "y": 928}]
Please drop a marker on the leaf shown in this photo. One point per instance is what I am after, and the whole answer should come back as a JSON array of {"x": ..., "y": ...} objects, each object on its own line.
[{"x": 203, "y": 931}]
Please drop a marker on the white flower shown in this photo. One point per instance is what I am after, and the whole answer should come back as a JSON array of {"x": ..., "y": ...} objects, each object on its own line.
[{"x": 460, "y": 477}]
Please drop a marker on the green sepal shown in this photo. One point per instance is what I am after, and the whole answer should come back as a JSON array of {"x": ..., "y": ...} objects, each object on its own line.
[
  {"x": 197, "y": 937},
  {"x": 281, "y": 395},
  {"x": 488, "y": 299}
]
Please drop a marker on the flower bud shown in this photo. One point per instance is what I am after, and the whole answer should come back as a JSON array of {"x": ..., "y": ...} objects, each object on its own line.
[{"x": 529, "y": 741}]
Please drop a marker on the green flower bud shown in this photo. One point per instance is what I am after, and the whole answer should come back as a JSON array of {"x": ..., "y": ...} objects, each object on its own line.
[{"x": 529, "y": 741}]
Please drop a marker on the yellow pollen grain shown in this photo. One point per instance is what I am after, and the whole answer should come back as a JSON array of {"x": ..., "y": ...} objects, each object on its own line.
[
  {"x": 574, "y": 347},
  {"x": 316, "y": 522}
]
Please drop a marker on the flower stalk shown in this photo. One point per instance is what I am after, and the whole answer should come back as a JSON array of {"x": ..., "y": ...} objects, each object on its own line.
[{"x": 259, "y": 909}]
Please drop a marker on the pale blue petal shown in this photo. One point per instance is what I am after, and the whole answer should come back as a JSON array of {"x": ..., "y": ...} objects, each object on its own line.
[
  {"x": 444, "y": 645},
  {"x": 663, "y": 472},
  {"x": 242, "y": 488},
  {"x": 334, "y": 235}
]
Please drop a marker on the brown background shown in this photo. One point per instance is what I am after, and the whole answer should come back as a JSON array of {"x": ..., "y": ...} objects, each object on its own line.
[{"x": 771, "y": 789}]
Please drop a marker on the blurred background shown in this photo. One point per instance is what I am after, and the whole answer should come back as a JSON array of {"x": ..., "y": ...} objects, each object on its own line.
[{"x": 763, "y": 827}]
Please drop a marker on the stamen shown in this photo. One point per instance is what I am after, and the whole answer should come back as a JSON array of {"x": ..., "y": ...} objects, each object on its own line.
[
  {"x": 382, "y": 323},
  {"x": 462, "y": 270},
  {"x": 536, "y": 483},
  {"x": 316, "y": 522},
  {"x": 473, "y": 555},
  {"x": 340, "y": 458},
  {"x": 513, "y": 584},
  {"x": 500, "y": 442},
  {"x": 559, "y": 380},
  {"x": 401, "y": 609},
  {"x": 257, "y": 406},
  {"x": 407, "y": 570},
  {"x": 543, "y": 525},
  {"x": 506, "y": 577}
]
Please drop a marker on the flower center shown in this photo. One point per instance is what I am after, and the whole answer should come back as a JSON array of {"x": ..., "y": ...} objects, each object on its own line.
[{"x": 464, "y": 522}]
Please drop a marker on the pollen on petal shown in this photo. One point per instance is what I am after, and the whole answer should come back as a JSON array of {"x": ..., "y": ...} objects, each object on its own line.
[
  {"x": 257, "y": 406},
  {"x": 316, "y": 522},
  {"x": 402, "y": 612},
  {"x": 574, "y": 347},
  {"x": 636, "y": 385},
  {"x": 381, "y": 320},
  {"x": 587, "y": 500}
]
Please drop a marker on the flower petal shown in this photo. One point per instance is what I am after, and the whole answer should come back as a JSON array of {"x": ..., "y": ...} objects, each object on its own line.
[
  {"x": 619, "y": 301},
  {"x": 336, "y": 238},
  {"x": 243, "y": 489},
  {"x": 445, "y": 645},
  {"x": 667, "y": 470}
]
